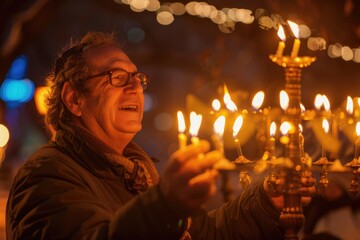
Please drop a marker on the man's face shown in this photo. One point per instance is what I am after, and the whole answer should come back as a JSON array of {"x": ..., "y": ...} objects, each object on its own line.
[{"x": 111, "y": 113}]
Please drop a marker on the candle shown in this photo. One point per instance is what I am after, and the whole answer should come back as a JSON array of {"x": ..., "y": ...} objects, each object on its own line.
[
  {"x": 272, "y": 139},
  {"x": 230, "y": 105},
  {"x": 181, "y": 127},
  {"x": 357, "y": 141},
  {"x": 295, "y": 29},
  {"x": 219, "y": 127},
  {"x": 325, "y": 126},
  {"x": 284, "y": 100},
  {"x": 349, "y": 105},
  {"x": 236, "y": 128},
  {"x": 281, "y": 46},
  {"x": 195, "y": 122},
  {"x": 258, "y": 100}
]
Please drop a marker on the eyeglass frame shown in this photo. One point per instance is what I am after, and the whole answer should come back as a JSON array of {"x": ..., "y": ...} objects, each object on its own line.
[{"x": 144, "y": 84}]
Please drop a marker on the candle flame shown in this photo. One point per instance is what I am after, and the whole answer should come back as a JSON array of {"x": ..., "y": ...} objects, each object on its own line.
[
  {"x": 302, "y": 107},
  {"x": 349, "y": 105},
  {"x": 230, "y": 105},
  {"x": 195, "y": 123},
  {"x": 272, "y": 129},
  {"x": 219, "y": 125},
  {"x": 300, "y": 128},
  {"x": 358, "y": 129},
  {"x": 258, "y": 100},
  {"x": 216, "y": 105},
  {"x": 318, "y": 101},
  {"x": 181, "y": 122},
  {"x": 326, "y": 103},
  {"x": 285, "y": 128},
  {"x": 325, "y": 125},
  {"x": 237, "y": 125},
  {"x": 281, "y": 33},
  {"x": 294, "y": 28},
  {"x": 284, "y": 100}
]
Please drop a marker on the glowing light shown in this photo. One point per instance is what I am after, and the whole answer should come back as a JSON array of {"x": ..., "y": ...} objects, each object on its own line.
[
  {"x": 164, "y": 18},
  {"x": 272, "y": 129},
  {"x": 230, "y": 105},
  {"x": 294, "y": 28},
  {"x": 219, "y": 125},
  {"x": 258, "y": 100},
  {"x": 284, "y": 100},
  {"x": 325, "y": 125},
  {"x": 349, "y": 105},
  {"x": 4, "y": 135},
  {"x": 285, "y": 128},
  {"x": 326, "y": 103},
  {"x": 39, "y": 97},
  {"x": 216, "y": 105},
  {"x": 318, "y": 101},
  {"x": 358, "y": 129},
  {"x": 181, "y": 122},
  {"x": 237, "y": 125},
  {"x": 195, "y": 123}
]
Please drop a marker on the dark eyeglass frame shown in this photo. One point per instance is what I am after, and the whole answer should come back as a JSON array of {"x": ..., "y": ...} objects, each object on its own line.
[{"x": 143, "y": 78}]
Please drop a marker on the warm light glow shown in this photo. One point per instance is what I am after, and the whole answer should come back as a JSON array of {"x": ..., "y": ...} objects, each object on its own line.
[
  {"x": 300, "y": 128},
  {"x": 181, "y": 122},
  {"x": 216, "y": 105},
  {"x": 230, "y": 105},
  {"x": 358, "y": 129},
  {"x": 302, "y": 107},
  {"x": 349, "y": 105},
  {"x": 219, "y": 125},
  {"x": 285, "y": 128},
  {"x": 237, "y": 125},
  {"x": 195, "y": 123},
  {"x": 318, "y": 101},
  {"x": 325, "y": 125},
  {"x": 326, "y": 103},
  {"x": 39, "y": 97},
  {"x": 281, "y": 33},
  {"x": 294, "y": 28},
  {"x": 4, "y": 135},
  {"x": 272, "y": 129},
  {"x": 284, "y": 100},
  {"x": 258, "y": 100}
]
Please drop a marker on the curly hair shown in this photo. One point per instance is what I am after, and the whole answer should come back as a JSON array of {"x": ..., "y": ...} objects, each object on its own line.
[{"x": 71, "y": 66}]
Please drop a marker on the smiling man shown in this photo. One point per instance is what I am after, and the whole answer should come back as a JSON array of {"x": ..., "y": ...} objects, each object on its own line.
[{"x": 93, "y": 182}]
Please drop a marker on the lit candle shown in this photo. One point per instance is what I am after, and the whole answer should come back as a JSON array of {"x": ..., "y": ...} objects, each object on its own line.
[
  {"x": 281, "y": 46},
  {"x": 181, "y": 126},
  {"x": 258, "y": 100},
  {"x": 357, "y": 141},
  {"x": 219, "y": 127},
  {"x": 295, "y": 29},
  {"x": 216, "y": 105},
  {"x": 230, "y": 105},
  {"x": 349, "y": 105},
  {"x": 325, "y": 126},
  {"x": 236, "y": 128},
  {"x": 284, "y": 100},
  {"x": 272, "y": 139},
  {"x": 195, "y": 123}
]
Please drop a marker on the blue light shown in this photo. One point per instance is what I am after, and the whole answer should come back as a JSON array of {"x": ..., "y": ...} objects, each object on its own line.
[
  {"x": 18, "y": 68},
  {"x": 13, "y": 90}
]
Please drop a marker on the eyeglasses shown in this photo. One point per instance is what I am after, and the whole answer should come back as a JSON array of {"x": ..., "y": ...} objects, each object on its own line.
[{"x": 121, "y": 78}]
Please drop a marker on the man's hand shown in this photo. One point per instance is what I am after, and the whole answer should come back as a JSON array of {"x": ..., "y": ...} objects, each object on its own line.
[{"x": 188, "y": 179}]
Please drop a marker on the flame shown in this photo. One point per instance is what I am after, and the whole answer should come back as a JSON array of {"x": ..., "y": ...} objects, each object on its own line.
[
  {"x": 326, "y": 103},
  {"x": 258, "y": 100},
  {"x": 230, "y": 105},
  {"x": 294, "y": 28},
  {"x": 300, "y": 128},
  {"x": 302, "y": 107},
  {"x": 325, "y": 125},
  {"x": 181, "y": 122},
  {"x": 4, "y": 135},
  {"x": 219, "y": 125},
  {"x": 272, "y": 129},
  {"x": 284, "y": 100},
  {"x": 349, "y": 105},
  {"x": 358, "y": 129},
  {"x": 216, "y": 105},
  {"x": 237, "y": 125},
  {"x": 318, "y": 101},
  {"x": 281, "y": 33},
  {"x": 195, "y": 123},
  {"x": 285, "y": 128}
]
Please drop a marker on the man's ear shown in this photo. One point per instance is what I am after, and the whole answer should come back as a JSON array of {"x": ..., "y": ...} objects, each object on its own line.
[{"x": 70, "y": 99}]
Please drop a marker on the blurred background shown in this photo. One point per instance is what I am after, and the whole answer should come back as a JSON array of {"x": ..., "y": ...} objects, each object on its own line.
[{"x": 185, "y": 48}]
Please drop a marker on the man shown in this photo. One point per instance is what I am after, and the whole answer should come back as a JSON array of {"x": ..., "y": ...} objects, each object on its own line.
[{"x": 93, "y": 182}]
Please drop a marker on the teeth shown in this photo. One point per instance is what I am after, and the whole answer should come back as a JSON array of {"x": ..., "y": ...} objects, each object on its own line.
[{"x": 129, "y": 107}]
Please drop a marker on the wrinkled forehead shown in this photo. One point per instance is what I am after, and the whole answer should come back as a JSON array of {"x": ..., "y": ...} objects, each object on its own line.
[{"x": 107, "y": 57}]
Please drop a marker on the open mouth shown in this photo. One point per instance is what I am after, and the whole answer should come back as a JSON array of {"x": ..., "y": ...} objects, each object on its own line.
[{"x": 129, "y": 108}]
